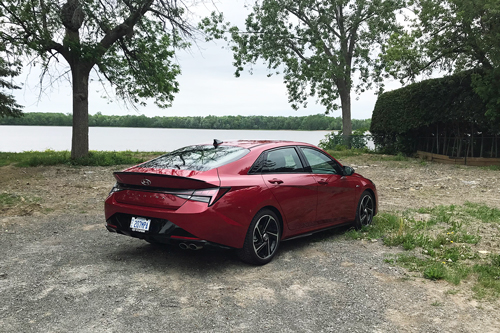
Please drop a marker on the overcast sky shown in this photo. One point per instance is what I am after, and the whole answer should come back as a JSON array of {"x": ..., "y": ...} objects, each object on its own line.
[{"x": 207, "y": 86}]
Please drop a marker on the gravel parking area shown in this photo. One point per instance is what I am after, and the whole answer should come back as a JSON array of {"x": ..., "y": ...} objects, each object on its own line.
[{"x": 61, "y": 271}]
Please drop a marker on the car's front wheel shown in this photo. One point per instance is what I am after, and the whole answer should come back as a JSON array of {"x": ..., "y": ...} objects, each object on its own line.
[
  {"x": 365, "y": 210},
  {"x": 262, "y": 240}
]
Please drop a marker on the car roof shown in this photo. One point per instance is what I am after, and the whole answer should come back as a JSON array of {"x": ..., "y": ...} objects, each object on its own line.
[{"x": 262, "y": 143}]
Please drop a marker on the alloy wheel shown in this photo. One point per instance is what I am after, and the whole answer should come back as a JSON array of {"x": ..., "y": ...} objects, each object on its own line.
[
  {"x": 366, "y": 210},
  {"x": 265, "y": 236}
]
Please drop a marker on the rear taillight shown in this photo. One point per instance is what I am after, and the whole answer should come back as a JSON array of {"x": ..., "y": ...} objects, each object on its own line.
[
  {"x": 209, "y": 196},
  {"x": 115, "y": 188}
]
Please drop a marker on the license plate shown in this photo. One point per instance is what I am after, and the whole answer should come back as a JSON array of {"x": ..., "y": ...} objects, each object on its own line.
[{"x": 140, "y": 224}]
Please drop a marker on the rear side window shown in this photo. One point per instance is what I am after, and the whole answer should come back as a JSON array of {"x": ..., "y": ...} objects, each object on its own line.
[
  {"x": 198, "y": 158},
  {"x": 282, "y": 160}
]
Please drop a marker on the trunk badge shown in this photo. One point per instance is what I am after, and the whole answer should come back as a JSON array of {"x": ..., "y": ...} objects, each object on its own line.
[{"x": 146, "y": 182}]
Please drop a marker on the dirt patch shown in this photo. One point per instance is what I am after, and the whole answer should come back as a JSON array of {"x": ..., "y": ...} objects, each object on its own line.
[
  {"x": 55, "y": 190},
  {"x": 414, "y": 184}
]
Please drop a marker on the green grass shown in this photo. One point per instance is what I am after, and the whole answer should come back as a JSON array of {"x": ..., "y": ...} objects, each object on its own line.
[
  {"x": 492, "y": 167},
  {"x": 10, "y": 199},
  {"x": 95, "y": 158},
  {"x": 343, "y": 153},
  {"x": 441, "y": 247},
  {"x": 367, "y": 154},
  {"x": 483, "y": 212}
]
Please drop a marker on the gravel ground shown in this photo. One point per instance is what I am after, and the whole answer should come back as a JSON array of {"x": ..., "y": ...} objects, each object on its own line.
[{"x": 60, "y": 270}]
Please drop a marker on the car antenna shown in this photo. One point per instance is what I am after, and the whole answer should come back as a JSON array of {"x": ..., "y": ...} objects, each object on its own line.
[{"x": 217, "y": 143}]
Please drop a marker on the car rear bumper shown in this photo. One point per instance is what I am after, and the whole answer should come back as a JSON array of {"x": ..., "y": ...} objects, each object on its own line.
[{"x": 194, "y": 222}]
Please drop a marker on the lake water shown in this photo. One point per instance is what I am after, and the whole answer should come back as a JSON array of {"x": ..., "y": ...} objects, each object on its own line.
[{"x": 40, "y": 138}]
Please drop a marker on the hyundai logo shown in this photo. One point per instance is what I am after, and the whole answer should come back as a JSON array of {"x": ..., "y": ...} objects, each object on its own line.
[{"x": 146, "y": 182}]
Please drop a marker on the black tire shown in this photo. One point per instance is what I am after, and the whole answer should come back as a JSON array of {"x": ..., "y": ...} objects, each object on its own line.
[
  {"x": 262, "y": 240},
  {"x": 364, "y": 210}
]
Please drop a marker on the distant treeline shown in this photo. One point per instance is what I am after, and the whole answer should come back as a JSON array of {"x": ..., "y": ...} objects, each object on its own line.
[{"x": 310, "y": 123}]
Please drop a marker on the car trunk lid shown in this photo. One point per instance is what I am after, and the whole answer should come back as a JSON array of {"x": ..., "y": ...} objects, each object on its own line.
[{"x": 161, "y": 189}]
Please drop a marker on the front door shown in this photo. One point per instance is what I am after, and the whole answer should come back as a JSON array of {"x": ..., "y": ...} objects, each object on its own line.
[{"x": 336, "y": 192}]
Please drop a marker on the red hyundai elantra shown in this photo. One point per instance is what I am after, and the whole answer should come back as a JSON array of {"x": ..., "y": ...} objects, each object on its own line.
[{"x": 247, "y": 195}]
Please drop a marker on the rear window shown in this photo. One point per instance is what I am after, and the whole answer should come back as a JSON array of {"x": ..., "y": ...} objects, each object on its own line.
[{"x": 199, "y": 158}]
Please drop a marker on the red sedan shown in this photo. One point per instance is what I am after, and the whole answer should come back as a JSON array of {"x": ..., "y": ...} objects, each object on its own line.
[{"x": 247, "y": 195}]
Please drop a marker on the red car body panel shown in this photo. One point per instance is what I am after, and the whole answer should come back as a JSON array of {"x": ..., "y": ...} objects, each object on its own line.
[
  {"x": 304, "y": 201},
  {"x": 296, "y": 196}
]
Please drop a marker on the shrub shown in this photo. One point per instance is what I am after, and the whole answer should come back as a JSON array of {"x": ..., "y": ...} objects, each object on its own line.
[
  {"x": 442, "y": 115},
  {"x": 332, "y": 141}
]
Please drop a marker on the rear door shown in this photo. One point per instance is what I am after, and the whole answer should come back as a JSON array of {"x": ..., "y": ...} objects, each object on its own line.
[
  {"x": 293, "y": 187},
  {"x": 336, "y": 192}
]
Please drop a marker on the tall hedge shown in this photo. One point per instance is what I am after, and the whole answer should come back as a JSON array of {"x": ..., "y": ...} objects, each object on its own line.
[{"x": 437, "y": 115}]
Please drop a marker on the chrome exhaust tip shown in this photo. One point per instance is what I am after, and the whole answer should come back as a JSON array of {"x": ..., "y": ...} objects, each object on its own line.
[
  {"x": 183, "y": 246},
  {"x": 195, "y": 247}
]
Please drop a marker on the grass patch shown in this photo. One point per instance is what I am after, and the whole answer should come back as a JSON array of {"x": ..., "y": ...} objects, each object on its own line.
[
  {"x": 367, "y": 154},
  {"x": 8, "y": 200},
  {"x": 95, "y": 158},
  {"x": 343, "y": 153},
  {"x": 492, "y": 167},
  {"x": 439, "y": 247},
  {"x": 482, "y": 212}
]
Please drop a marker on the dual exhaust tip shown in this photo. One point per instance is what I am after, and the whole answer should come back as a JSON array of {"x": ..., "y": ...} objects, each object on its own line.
[{"x": 190, "y": 246}]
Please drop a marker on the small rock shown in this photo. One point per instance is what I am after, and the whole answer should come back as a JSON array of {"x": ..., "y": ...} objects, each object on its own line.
[{"x": 484, "y": 252}]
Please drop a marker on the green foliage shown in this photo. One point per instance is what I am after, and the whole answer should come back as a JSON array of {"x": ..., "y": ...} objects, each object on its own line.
[
  {"x": 318, "y": 45},
  {"x": 8, "y": 70},
  {"x": 94, "y": 158},
  {"x": 332, "y": 141},
  {"x": 136, "y": 57},
  {"x": 311, "y": 123},
  {"x": 451, "y": 35},
  {"x": 435, "y": 272},
  {"x": 431, "y": 116}
]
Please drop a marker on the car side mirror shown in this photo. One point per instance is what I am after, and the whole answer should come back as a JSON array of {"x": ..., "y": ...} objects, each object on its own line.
[{"x": 348, "y": 171}]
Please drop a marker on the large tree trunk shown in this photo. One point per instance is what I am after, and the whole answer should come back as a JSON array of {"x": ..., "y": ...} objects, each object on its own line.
[
  {"x": 80, "y": 139},
  {"x": 345, "y": 100}
]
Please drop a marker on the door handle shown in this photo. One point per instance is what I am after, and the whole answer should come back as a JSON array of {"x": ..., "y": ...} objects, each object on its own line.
[
  {"x": 275, "y": 181},
  {"x": 322, "y": 182}
]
